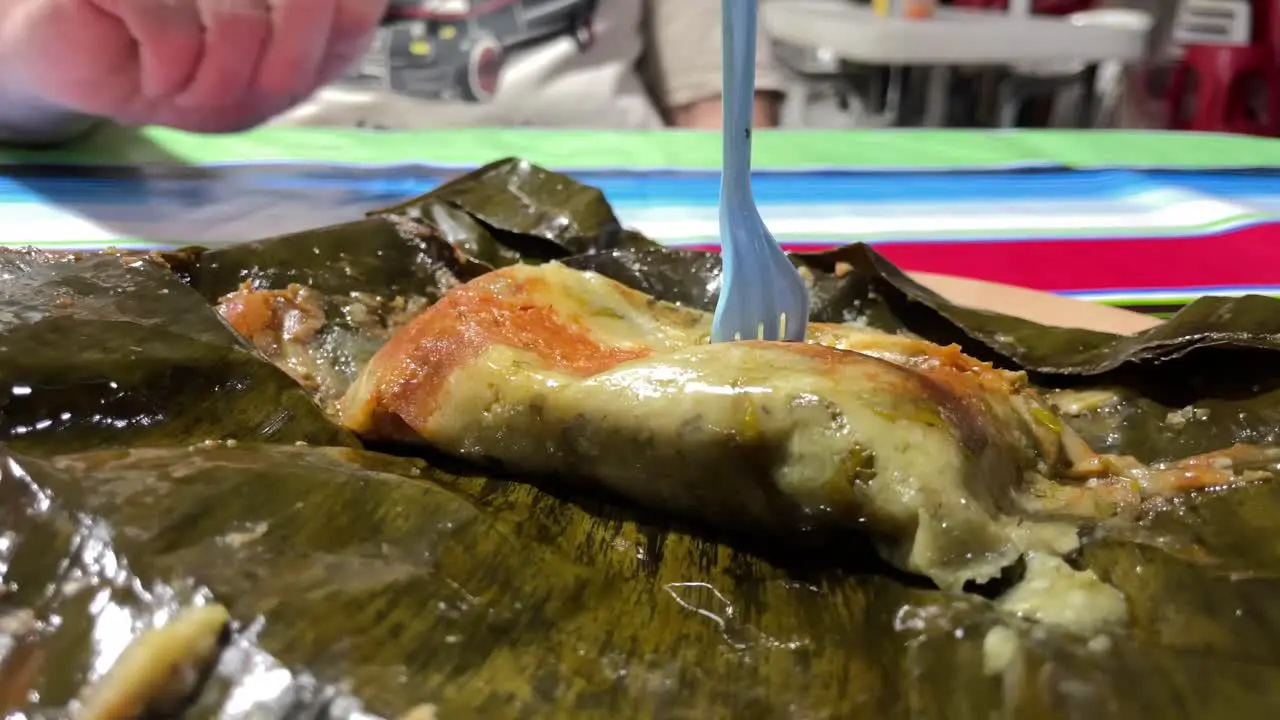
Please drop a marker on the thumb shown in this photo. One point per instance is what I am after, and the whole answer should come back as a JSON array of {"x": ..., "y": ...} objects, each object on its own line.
[{"x": 354, "y": 24}]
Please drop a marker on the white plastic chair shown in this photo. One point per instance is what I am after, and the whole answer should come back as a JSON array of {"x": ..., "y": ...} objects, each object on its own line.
[
  {"x": 820, "y": 94},
  {"x": 1110, "y": 73}
]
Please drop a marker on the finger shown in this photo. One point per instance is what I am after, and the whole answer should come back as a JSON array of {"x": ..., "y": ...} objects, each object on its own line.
[
  {"x": 168, "y": 34},
  {"x": 76, "y": 83},
  {"x": 236, "y": 32},
  {"x": 354, "y": 22},
  {"x": 290, "y": 67}
]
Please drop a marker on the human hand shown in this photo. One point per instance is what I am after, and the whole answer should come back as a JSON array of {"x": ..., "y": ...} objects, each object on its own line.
[{"x": 198, "y": 65}]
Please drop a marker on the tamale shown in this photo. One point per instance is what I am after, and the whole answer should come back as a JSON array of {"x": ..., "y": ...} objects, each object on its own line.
[{"x": 561, "y": 373}]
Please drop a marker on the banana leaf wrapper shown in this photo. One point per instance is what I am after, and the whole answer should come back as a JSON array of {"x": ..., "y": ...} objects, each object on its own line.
[
  {"x": 100, "y": 350},
  {"x": 487, "y": 598},
  {"x": 367, "y": 584}
]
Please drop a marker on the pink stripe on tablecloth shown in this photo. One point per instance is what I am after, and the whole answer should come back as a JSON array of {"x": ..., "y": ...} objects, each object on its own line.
[
  {"x": 1243, "y": 257},
  {"x": 1246, "y": 257}
]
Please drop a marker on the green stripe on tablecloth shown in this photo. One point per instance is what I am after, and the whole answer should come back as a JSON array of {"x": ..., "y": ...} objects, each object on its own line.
[
  {"x": 1150, "y": 149},
  {"x": 919, "y": 149}
]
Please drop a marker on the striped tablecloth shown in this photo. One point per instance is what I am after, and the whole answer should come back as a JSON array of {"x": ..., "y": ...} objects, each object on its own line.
[{"x": 1138, "y": 220}]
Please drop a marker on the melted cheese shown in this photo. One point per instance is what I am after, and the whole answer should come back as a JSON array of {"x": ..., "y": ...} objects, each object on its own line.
[
  {"x": 561, "y": 373},
  {"x": 1055, "y": 592},
  {"x": 938, "y": 456}
]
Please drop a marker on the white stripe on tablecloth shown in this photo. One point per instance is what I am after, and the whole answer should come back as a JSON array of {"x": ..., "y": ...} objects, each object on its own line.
[
  {"x": 1161, "y": 212},
  {"x": 32, "y": 224},
  {"x": 922, "y": 222}
]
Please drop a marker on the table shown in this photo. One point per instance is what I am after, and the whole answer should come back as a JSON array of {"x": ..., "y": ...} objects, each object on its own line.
[
  {"x": 953, "y": 37},
  {"x": 1134, "y": 219}
]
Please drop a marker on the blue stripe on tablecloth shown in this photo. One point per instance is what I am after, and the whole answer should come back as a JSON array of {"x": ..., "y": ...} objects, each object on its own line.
[
  {"x": 64, "y": 206},
  {"x": 150, "y": 207},
  {"x": 656, "y": 189}
]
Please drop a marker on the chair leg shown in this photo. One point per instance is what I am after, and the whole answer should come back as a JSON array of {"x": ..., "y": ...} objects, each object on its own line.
[
  {"x": 1087, "y": 111},
  {"x": 1272, "y": 125},
  {"x": 795, "y": 107},
  {"x": 1112, "y": 81},
  {"x": 1174, "y": 99},
  {"x": 1212, "y": 103},
  {"x": 938, "y": 97},
  {"x": 1009, "y": 103}
]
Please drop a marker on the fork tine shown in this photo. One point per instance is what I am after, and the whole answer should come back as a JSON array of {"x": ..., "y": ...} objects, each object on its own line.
[{"x": 769, "y": 329}]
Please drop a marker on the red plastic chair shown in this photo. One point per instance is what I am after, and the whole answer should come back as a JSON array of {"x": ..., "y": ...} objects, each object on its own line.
[
  {"x": 1225, "y": 77},
  {"x": 1266, "y": 25}
]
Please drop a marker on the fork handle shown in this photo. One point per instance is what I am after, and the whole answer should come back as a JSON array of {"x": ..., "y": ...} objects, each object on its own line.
[{"x": 738, "y": 92}]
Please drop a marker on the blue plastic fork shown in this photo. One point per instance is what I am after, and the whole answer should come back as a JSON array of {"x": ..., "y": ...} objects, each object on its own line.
[{"x": 762, "y": 296}]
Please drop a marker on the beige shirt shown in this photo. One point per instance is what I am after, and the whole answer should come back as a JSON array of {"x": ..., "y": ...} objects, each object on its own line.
[{"x": 546, "y": 63}]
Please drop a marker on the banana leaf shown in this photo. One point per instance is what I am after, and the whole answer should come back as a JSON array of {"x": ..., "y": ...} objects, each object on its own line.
[
  {"x": 377, "y": 255},
  {"x": 107, "y": 350},
  {"x": 513, "y": 211},
  {"x": 362, "y": 583},
  {"x": 487, "y": 598}
]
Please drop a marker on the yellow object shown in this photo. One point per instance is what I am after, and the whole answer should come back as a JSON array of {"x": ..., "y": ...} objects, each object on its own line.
[
  {"x": 448, "y": 32},
  {"x": 420, "y": 48}
]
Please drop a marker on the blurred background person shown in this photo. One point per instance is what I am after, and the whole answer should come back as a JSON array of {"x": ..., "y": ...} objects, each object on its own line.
[
  {"x": 545, "y": 63},
  {"x": 227, "y": 65},
  {"x": 200, "y": 65}
]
